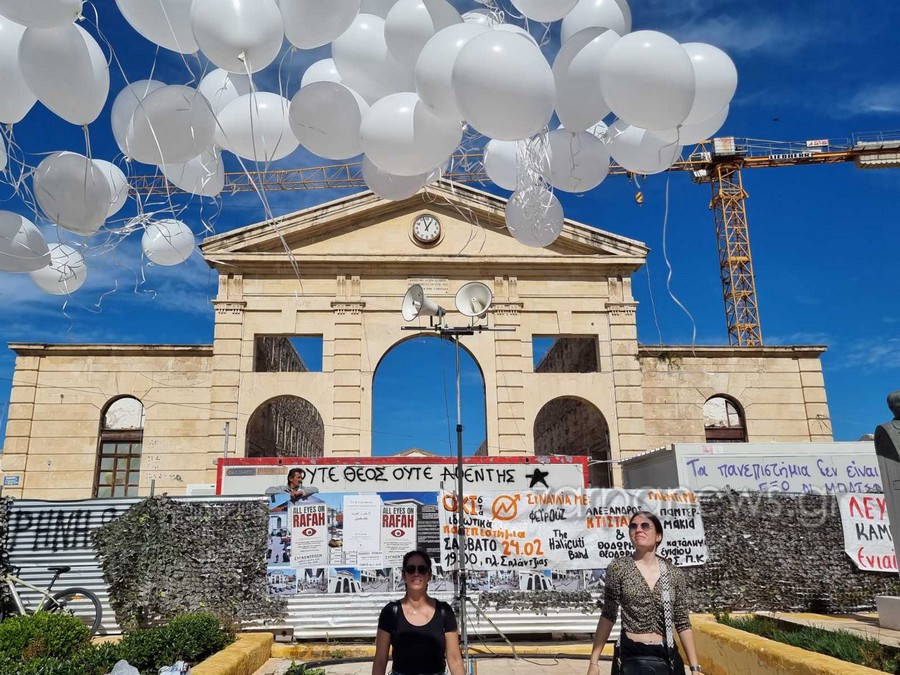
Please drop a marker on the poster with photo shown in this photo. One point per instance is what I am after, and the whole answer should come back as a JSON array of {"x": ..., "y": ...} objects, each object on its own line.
[{"x": 281, "y": 581}]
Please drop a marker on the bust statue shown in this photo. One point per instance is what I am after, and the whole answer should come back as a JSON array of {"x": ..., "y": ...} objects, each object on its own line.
[{"x": 887, "y": 435}]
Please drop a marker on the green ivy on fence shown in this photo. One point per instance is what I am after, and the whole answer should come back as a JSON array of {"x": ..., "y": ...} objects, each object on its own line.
[{"x": 163, "y": 558}]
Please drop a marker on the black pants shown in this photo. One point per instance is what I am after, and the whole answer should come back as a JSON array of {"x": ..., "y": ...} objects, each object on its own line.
[{"x": 628, "y": 647}]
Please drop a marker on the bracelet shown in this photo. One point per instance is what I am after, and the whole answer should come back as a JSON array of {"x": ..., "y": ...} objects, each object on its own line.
[
  {"x": 593, "y": 663},
  {"x": 696, "y": 669}
]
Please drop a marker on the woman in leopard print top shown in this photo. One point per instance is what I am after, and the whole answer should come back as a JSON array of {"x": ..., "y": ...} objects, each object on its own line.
[{"x": 633, "y": 583}]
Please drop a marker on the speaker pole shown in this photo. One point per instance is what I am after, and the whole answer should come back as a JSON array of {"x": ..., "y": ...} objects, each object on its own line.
[{"x": 461, "y": 531}]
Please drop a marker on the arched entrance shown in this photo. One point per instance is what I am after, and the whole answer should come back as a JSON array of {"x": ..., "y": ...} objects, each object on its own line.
[
  {"x": 571, "y": 426},
  {"x": 285, "y": 426},
  {"x": 414, "y": 400}
]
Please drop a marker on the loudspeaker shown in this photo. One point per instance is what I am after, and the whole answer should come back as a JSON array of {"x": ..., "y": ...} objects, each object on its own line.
[
  {"x": 416, "y": 303},
  {"x": 474, "y": 299}
]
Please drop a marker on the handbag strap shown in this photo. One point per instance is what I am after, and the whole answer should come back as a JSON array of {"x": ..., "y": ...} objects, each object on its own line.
[{"x": 667, "y": 602}]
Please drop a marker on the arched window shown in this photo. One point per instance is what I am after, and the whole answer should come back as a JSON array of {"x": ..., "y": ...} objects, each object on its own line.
[
  {"x": 572, "y": 426},
  {"x": 119, "y": 456},
  {"x": 286, "y": 426},
  {"x": 723, "y": 420}
]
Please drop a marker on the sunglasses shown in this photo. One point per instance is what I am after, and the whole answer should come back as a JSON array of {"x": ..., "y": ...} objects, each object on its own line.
[
  {"x": 421, "y": 569},
  {"x": 645, "y": 526}
]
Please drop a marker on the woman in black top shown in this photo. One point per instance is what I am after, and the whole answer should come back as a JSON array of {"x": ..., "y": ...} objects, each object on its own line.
[
  {"x": 633, "y": 582},
  {"x": 420, "y": 631}
]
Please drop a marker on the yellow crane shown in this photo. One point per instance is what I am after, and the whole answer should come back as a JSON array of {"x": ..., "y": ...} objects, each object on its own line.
[{"x": 718, "y": 161}]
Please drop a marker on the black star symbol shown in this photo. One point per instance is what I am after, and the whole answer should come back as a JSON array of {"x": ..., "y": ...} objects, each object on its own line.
[{"x": 538, "y": 477}]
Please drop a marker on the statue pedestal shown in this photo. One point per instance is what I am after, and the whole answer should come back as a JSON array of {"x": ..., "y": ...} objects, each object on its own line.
[{"x": 888, "y": 611}]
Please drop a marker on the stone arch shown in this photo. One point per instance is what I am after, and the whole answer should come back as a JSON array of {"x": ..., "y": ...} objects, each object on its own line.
[
  {"x": 118, "y": 469},
  {"x": 569, "y": 425},
  {"x": 724, "y": 420},
  {"x": 474, "y": 410},
  {"x": 285, "y": 426}
]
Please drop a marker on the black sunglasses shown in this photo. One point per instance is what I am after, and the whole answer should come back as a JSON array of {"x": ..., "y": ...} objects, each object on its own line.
[
  {"x": 421, "y": 569},
  {"x": 645, "y": 526}
]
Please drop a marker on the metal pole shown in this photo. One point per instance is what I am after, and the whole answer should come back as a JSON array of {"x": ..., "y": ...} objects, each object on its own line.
[
  {"x": 461, "y": 531},
  {"x": 227, "y": 433}
]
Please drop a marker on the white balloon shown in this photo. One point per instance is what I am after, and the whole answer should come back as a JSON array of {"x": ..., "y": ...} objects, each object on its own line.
[
  {"x": 257, "y": 127},
  {"x": 579, "y": 161},
  {"x": 22, "y": 246},
  {"x": 576, "y": 71},
  {"x": 501, "y": 163},
  {"x": 17, "y": 98},
  {"x": 535, "y": 217},
  {"x": 599, "y": 130},
  {"x": 412, "y": 23},
  {"x": 642, "y": 151},
  {"x": 124, "y": 106},
  {"x": 647, "y": 80},
  {"x": 517, "y": 30},
  {"x": 66, "y": 69},
  {"x": 325, "y": 117},
  {"x": 321, "y": 71},
  {"x": 365, "y": 64},
  {"x": 395, "y": 188},
  {"x": 241, "y": 36},
  {"x": 434, "y": 69},
  {"x": 504, "y": 86},
  {"x": 401, "y": 136},
  {"x": 203, "y": 175},
  {"x": 689, "y": 134},
  {"x": 41, "y": 13},
  {"x": 163, "y": 22},
  {"x": 482, "y": 17},
  {"x": 65, "y": 274},
  {"x": 118, "y": 185},
  {"x": 221, "y": 87},
  {"x": 172, "y": 124},
  {"x": 72, "y": 192},
  {"x": 716, "y": 80},
  {"x": 544, "y": 11},
  {"x": 377, "y": 7},
  {"x": 167, "y": 242},
  {"x": 612, "y": 14},
  {"x": 313, "y": 23}
]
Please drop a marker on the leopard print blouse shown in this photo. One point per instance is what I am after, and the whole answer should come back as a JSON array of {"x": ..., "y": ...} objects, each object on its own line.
[{"x": 642, "y": 608}]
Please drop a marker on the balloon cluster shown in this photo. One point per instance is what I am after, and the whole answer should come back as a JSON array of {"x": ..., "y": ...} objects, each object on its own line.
[{"x": 407, "y": 80}]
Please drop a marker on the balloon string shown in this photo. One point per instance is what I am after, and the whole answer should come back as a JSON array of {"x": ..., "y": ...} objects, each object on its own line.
[{"x": 669, "y": 266}]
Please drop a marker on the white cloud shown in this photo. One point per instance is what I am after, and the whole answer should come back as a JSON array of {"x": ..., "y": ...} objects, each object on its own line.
[
  {"x": 872, "y": 353},
  {"x": 874, "y": 99}
]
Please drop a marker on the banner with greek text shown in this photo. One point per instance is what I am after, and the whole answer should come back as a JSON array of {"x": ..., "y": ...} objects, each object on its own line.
[
  {"x": 566, "y": 529},
  {"x": 867, "y": 532}
]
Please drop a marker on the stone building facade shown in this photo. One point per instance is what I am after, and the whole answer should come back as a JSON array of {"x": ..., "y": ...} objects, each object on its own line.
[{"x": 346, "y": 268}]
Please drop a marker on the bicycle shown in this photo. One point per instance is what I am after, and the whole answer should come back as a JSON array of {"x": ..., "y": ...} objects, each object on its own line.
[{"x": 78, "y": 602}]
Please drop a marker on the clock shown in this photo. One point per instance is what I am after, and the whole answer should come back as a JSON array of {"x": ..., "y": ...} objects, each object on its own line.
[{"x": 426, "y": 229}]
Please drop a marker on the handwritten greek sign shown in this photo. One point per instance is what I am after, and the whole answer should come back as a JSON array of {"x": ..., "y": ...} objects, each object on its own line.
[
  {"x": 565, "y": 530},
  {"x": 755, "y": 469},
  {"x": 867, "y": 532}
]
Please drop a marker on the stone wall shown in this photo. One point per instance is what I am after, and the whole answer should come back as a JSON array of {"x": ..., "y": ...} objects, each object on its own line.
[
  {"x": 570, "y": 426},
  {"x": 780, "y": 389},
  {"x": 287, "y": 426},
  {"x": 780, "y": 553},
  {"x": 276, "y": 354}
]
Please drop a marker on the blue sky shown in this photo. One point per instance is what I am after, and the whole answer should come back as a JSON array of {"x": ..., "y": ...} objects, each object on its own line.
[{"x": 824, "y": 238}]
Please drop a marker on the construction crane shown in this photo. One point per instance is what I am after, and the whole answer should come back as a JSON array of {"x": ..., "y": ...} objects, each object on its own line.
[{"x": 718, "y": 162}]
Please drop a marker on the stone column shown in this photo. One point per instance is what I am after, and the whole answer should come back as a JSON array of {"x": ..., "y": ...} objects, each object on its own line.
[
  {"x": 225, "y": 375},
  {"x": 627, "y": 376},
  {"x": 345, "y": 433},
  {"x": 19, "y": 424},
  {"x": 514, "y": 432}
]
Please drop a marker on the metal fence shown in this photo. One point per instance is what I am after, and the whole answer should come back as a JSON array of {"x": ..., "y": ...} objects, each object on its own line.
[{"x": 45, "y": 533}]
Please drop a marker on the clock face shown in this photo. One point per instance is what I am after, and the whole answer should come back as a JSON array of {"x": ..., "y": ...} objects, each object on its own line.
[{"x": 426, "y": 229}]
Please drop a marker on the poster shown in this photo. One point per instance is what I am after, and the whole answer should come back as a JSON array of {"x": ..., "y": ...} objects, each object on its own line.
[
  {"x": 309, "y": 535},
  {"x": 867, "y": 532}
]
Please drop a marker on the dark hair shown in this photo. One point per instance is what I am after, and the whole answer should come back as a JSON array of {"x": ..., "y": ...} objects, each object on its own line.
[
  {"x": 657, "y": 525},
  {"x": 418, "y": 552},
  {"x": 294, "y": 471}
]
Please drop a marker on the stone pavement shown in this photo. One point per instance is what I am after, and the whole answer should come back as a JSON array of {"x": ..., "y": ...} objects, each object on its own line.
[{"x": 532, "y": 665}]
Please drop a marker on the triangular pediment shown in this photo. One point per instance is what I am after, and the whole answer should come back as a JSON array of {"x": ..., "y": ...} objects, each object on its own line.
[{"x": 366, "y": 227}]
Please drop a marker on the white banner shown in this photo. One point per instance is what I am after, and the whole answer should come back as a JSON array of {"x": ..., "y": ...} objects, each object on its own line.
[
  {"x": 566, "y": 529},
  {"x": 867, "y": 532},
  {"x": 309, "y": 535}
]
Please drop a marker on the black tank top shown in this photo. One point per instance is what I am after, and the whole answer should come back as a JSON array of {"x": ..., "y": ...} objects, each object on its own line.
[{"x": 418, "y": 650}]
